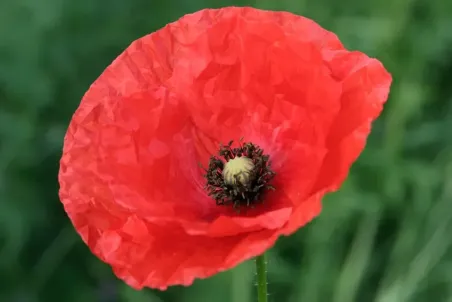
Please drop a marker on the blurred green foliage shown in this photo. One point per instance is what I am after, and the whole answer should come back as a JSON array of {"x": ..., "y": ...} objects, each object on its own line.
[{"x": 384, "y": 237}]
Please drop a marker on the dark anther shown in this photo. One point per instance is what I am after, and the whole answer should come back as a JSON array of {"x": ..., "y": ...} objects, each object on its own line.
[{"x": 239, "y": 176}]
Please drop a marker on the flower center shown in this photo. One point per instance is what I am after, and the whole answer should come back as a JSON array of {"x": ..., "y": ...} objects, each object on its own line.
[
  {"x": 239, "y": 176},
  {"x": 238, "y": 170}
]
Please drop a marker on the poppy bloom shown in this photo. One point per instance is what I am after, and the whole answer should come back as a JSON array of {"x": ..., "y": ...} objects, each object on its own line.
[{"x": 205, "y": 141}]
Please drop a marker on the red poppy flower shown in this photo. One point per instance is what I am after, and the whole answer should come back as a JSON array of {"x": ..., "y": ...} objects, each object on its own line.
[{"x": 130, "y": 179}]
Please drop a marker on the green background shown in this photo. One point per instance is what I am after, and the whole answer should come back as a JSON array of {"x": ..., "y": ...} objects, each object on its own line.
[{"x": 385, "y": 236}]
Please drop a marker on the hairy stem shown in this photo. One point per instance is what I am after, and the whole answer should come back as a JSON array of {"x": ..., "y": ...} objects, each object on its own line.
[{"x": 261, "y": 273}]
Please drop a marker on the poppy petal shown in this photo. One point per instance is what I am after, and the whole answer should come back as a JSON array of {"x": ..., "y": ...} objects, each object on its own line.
[
  {"x": 366, "y": 85},
  {"x": 162, "y": 261}
]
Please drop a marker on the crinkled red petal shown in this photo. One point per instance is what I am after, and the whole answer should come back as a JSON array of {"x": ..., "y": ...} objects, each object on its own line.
[{"x": 366, "y": 85}]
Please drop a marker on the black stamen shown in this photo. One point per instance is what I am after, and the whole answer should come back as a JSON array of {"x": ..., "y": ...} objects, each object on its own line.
[{"x": 239, "y": 194}]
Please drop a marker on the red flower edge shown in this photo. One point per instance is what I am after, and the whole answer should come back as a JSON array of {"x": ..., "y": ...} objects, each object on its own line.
[{"x": 129, "y": 175}]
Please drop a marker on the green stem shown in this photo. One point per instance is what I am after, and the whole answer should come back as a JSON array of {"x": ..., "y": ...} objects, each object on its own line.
[{"x": 261, "y": 272}]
